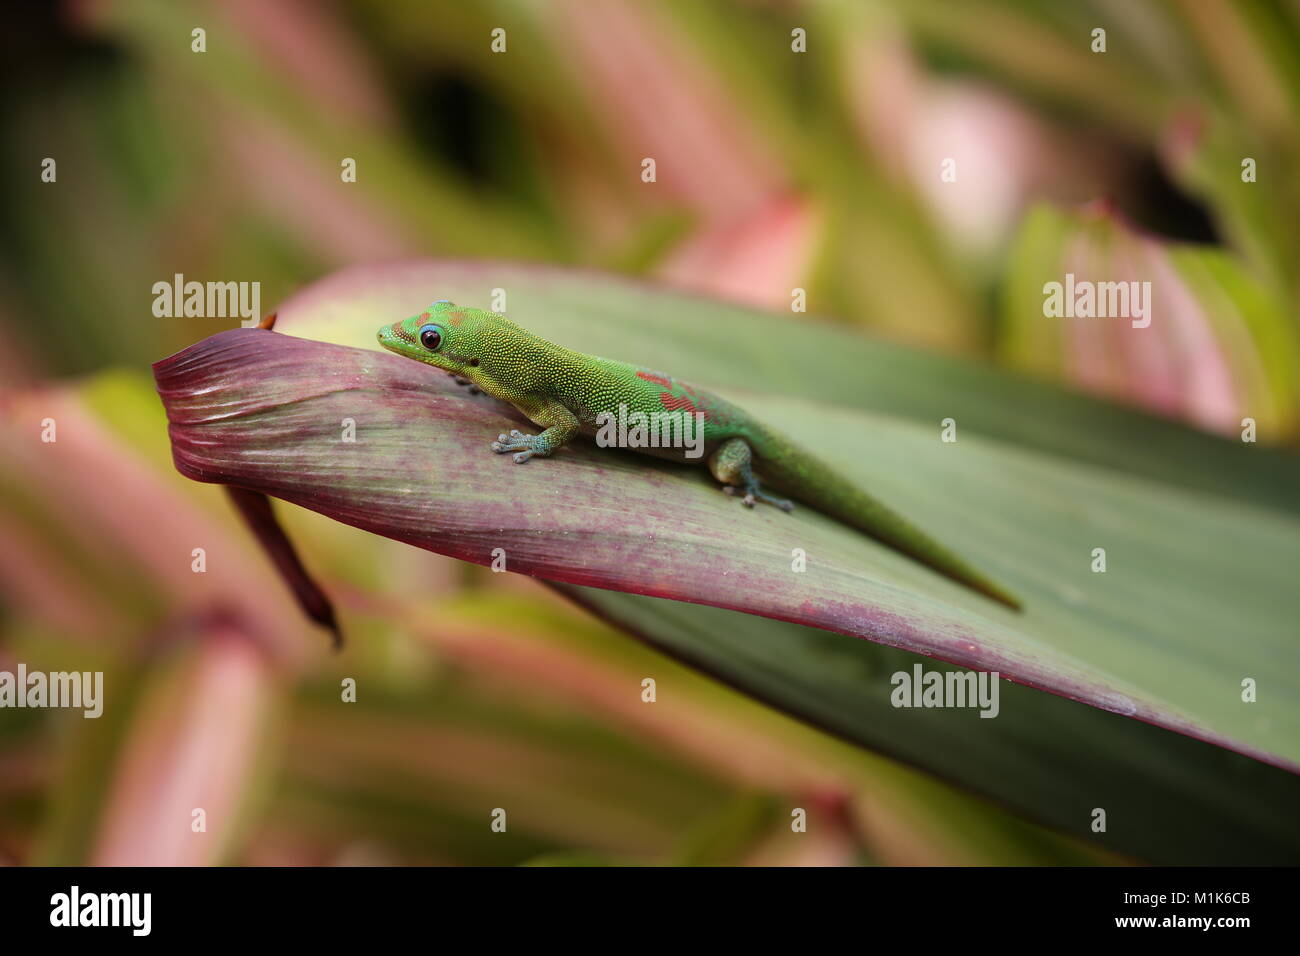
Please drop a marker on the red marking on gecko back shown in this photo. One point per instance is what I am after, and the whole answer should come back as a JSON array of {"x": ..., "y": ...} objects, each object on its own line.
[
  {"x": 683, "y": 403},
  {"x": 676, "y": 403}
]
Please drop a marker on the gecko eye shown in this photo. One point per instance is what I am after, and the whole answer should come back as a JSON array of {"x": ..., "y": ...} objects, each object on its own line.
[{"x": 430, "y": 337}]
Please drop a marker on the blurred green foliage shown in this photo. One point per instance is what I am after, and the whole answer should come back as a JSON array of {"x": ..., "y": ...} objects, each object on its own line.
[{"x": 775, "y": 170}]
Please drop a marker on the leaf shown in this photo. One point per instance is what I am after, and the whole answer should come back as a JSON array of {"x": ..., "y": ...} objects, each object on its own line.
[
  {"x": 1215, "y": 344},
  {"x": 716, "y": 343},
  {"x": 1168, "y": 798},
  {"x": 255, "y": 510},
  {"x": 1166, "y": 635}
]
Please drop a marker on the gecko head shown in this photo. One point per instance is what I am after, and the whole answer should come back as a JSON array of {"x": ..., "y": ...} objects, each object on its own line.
[{"x": 458, "y": 340}]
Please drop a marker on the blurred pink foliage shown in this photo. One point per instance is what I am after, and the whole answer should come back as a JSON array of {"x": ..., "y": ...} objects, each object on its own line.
[{"x": 188, "y": 757}]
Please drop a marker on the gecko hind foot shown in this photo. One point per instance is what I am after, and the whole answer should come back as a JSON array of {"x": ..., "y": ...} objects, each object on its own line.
[{"x": 731, "y": 464}]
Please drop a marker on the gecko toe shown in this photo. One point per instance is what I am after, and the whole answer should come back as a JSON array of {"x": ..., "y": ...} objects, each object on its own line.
[{"x": 526, "y": 445}]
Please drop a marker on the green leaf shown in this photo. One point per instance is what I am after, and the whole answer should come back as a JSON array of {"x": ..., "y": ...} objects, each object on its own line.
[
  {"x": 1199, "y": 592},
  {"x": 1169, "y": 799}
]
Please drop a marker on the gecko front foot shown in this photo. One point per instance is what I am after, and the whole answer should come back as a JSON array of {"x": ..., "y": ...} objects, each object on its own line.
[{"x": 526, "y": 445}]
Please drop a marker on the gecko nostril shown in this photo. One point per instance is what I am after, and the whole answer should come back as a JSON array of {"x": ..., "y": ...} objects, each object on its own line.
[{"x": 473, "y": 363}]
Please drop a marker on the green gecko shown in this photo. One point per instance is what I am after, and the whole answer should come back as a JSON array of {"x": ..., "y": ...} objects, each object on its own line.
[{"x": 568, "y": 393}]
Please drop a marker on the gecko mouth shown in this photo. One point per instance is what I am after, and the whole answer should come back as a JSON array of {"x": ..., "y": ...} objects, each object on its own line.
[{"x": 401, "y": 333}]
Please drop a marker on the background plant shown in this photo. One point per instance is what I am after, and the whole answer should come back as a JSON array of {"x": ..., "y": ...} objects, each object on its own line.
[{"x": 776, "y": 170}]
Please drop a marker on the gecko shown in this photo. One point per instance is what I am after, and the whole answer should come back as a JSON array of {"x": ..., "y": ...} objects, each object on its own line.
[{"x": 569, "y": 394}]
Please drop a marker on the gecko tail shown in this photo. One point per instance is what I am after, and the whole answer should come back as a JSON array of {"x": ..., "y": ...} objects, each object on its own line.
[{"x": 815, "y": 483}]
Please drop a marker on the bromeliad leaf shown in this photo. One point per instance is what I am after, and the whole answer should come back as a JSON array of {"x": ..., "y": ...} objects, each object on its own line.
[{"x": 1196, "y": 597}]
